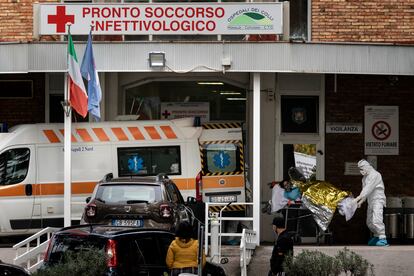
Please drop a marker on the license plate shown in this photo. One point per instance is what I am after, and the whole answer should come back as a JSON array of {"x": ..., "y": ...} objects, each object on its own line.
[
  {"x": 223, "y": 199},
  {"x": 128, "y": 222}
]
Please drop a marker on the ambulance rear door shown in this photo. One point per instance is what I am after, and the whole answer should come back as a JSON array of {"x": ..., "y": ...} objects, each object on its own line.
[{"x": 221, "y": 150}]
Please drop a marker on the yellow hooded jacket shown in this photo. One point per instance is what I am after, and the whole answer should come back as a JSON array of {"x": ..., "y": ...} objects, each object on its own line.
[{"x": 181, "y": 254}]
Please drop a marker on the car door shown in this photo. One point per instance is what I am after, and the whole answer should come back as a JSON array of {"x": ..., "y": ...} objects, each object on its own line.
[
  {"x": 144, "y": 254},
  {"x": 180, "y": 209}
]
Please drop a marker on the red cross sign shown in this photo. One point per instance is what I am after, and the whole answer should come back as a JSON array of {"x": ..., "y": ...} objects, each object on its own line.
[
  {"x": 166, "y": 114},
  {"x": 60, "y": 19}
]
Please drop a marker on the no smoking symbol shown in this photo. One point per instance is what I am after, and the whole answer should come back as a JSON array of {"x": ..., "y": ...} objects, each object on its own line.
[{"x": 381, "y": 130}]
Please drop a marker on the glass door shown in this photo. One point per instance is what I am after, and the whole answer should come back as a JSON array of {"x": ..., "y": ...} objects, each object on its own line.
[{"x": 301, "y": 156}]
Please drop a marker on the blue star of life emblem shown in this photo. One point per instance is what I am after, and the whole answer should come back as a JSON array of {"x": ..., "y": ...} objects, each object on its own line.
[
  {"x": 135, "y": 164},
  {"x": 221, "y": 159}
]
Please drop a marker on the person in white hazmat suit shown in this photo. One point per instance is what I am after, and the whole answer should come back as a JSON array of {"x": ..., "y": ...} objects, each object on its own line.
[{"x": 373, "y": 191}]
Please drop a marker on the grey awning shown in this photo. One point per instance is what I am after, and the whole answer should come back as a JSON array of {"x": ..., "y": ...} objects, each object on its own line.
[{"x": 208, "y": 57}]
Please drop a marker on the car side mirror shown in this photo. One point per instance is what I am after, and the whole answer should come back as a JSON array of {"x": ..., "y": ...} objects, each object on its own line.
[
  {"x": 191, "y": 200},
  {"x": 88, "y": 199}
]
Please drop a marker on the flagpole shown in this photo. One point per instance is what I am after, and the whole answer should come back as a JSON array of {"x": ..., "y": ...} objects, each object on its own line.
[{"x": 67, "y": 195}]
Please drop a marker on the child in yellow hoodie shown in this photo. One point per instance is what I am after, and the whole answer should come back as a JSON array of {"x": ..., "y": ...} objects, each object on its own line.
[{"x": 183, "y": 251}]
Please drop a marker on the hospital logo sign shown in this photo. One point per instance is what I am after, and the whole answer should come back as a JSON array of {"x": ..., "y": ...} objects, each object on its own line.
[{"x": 250, "y": 19}]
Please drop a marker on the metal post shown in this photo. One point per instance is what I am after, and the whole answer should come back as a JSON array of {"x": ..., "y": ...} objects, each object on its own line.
[
  {"x": 206, "y": 219},
  {"x": 200, "y": 249},
  {"x": 256, "y": 155},
  {"x": 220, "y": 217},
  {"x": 67, "y": 191},
  {"x": 214, "y": 244}
]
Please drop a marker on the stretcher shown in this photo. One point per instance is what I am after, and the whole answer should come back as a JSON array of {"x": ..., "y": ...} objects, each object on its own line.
[{"x": 297, "y": 217}]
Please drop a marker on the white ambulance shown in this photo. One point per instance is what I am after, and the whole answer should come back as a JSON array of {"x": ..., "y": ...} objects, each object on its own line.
[{"x": 31, "y": 165}]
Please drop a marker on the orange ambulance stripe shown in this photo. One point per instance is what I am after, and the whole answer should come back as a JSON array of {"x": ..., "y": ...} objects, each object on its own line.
[
  {"x": 58, "y": 188},
  {"x": 87, "y": 187},
  {"x": 72, "y": 137},
  {"x": 12, "y": 190},
  {"x": 84, "y": 134},
  {"x": 51, "y": 136},
  {"x": 47, "y": 189},
  {"x": 119, "y": 133},
  {"x": 152, "y": 132},
  {"x": 100, "y": 133},
  {"x": 136, "y": 133},
  {"x": 184, "y": 183},
  {"x": 168, "y": 132}
]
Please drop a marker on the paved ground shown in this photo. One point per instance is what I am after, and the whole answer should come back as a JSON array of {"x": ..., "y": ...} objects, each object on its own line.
[
  {"x": 388, "y": 261},
  {"x": 7, "y": 255}
]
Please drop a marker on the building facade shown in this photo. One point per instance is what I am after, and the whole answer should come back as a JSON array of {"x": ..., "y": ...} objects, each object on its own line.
[{"x": 333, "y": 60}]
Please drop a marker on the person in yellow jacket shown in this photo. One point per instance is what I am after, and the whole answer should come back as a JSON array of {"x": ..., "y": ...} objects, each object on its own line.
[{"x": 182, "y": 255}]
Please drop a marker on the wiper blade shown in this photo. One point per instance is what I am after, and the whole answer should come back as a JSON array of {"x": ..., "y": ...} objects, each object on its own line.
[{"x": 136, "y": 201}]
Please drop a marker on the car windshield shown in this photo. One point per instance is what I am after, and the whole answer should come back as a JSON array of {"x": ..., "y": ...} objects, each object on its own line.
[
  {"x": 129, "y": 193},
  {"x": 74, "y": 243}
]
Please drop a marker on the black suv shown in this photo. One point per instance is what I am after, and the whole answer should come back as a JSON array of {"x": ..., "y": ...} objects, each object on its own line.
[
  {"x": 129, "y": 250},
  {"x": 143, "y": 202},
  {"x": 12, "y": 270}
]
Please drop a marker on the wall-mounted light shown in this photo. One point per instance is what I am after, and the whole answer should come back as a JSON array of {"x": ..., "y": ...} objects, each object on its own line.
[{"x": 156, "y": 59}]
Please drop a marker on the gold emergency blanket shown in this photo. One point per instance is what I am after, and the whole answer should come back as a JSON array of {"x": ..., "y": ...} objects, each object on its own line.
[
  {"x": 324, "y": 193},
  {"x": 321, "y": 198}
]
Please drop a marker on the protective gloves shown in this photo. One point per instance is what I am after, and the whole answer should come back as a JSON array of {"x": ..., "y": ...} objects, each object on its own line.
[{"x": 359, "y": 200}]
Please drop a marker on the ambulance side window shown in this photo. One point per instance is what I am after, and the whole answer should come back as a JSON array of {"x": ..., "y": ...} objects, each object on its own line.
[
  {"x": 146, "y": 161},
  {"x": 14, "y": 165},
  {"x": 222, "y": 158}
]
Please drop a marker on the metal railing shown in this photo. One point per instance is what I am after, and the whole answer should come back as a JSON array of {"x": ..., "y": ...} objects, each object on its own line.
[
  {"x": 33, "y": 254},
  {"x": 247, "y": 246},
  {"x": 32, "y": 257},
  {"x": 208, "y": 219}
]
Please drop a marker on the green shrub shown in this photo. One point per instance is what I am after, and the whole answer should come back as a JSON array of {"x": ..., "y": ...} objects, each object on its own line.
[
  {"x": 316, "y": 263},
  {"x": 353, "y": 263},
  {"x": 87, "y": 262},
  {"x": 311, "y": 263}
]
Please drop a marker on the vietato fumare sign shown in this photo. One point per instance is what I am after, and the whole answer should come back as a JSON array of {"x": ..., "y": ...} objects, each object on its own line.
[{"x": 161, "y": 19}]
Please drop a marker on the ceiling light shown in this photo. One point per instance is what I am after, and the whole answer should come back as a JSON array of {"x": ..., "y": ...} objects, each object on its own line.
[
  {"x": 236, "y": 99},
  {"x": 210, "y": 83},
  {"x": 230, "y": 93}
]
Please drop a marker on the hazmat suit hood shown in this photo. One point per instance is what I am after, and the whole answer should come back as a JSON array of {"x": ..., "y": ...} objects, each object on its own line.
[{"x": 364, "y": 167}]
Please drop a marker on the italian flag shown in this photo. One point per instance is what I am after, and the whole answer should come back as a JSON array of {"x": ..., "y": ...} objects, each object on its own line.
[{"x": 77, "y": 93}]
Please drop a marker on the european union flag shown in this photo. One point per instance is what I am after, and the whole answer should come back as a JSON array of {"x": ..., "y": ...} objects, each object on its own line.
[{"x": 88, "y": 71}]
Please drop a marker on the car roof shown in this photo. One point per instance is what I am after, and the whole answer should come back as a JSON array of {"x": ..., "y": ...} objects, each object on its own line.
[
  {"x": 147, "y": 180},
  {"x": 107, "y": 231}
]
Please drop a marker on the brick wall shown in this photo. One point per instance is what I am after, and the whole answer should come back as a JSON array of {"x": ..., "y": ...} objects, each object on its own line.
[
  {"x": 339, "y": 20},
  {"x": 367, "y": 21},
  {"x": 16, "y": 20},
  {"x": 346, "y": 105},
  {"x": 22, "y": 111}
]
